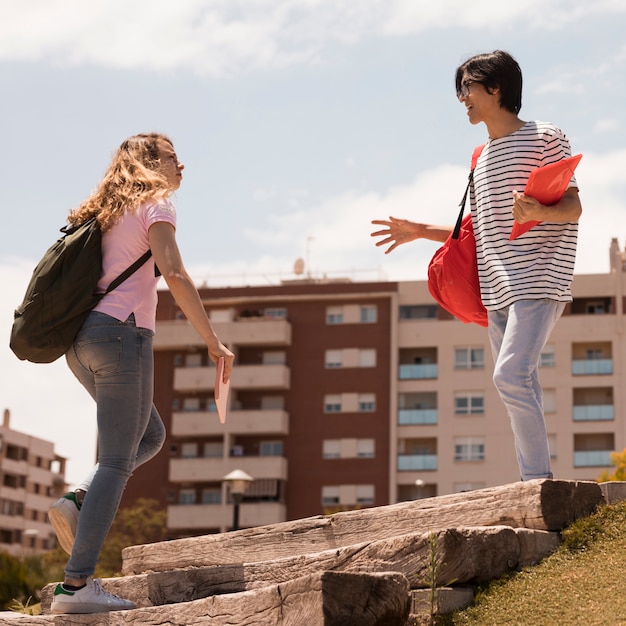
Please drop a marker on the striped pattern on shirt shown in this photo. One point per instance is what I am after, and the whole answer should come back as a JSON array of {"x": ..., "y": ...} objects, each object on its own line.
[{"x": 540, "y": 263}]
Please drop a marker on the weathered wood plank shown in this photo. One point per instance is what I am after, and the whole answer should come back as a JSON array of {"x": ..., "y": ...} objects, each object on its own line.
[
  {"x": 321, "y": 599},
  {"x": 537, "y": 505},
  {"x": 464, "y": 555}
]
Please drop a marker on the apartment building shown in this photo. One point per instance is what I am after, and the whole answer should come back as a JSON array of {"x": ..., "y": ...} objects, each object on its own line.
[
  {"x": 352, "y": 394},
  {"x": 32, "y": 477}
]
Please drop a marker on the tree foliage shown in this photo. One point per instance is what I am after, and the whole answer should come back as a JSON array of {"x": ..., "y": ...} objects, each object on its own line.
[
  {"x": 142, "y": 523},
  {"x": 619, "y": 462}
]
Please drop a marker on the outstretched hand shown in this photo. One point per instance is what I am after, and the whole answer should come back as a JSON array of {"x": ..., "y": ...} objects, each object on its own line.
[{"x": 397, "y": 232}]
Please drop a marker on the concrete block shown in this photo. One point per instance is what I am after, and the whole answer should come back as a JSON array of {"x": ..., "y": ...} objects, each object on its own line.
[{"x": 613, "y": 491}]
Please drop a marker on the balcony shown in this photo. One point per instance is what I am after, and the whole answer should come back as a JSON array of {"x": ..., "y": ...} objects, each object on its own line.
[
  {"x": 203, "y": 423},
  {"x": 203, "y": 516},
  {"x": 418, "y": 372},
  {"x": 417, "y": 416},
  {"x": 180, "y": 334},
  {"x": 244, "y": 377},
  {"x": 591, "y": 413},
  {"x": 417, "y": 462},
  {"x": 593, "y": 458},
  {"x": 212, "y": 469},
  {"x": 582, "y": 367}
]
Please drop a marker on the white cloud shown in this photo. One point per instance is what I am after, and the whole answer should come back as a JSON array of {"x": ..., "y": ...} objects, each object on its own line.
[{"x": 225, "y": 37}]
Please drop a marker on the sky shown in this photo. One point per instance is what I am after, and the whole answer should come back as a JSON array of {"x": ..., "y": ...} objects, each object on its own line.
[{"x": 298, "y": 121}]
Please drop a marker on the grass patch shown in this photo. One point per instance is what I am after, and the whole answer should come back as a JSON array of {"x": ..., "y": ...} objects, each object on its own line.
[{"x": 583, "y": 582}]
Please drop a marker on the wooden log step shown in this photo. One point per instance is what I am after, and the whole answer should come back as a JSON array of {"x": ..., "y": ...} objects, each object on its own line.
[
  {"x": 537, "y": 505},
  {"x": 320, "y": 599},
  {"x": 454, "y": 555}
]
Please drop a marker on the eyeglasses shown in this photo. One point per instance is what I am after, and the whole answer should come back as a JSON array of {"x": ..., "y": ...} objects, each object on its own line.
[{"x": 464, "y": 90}]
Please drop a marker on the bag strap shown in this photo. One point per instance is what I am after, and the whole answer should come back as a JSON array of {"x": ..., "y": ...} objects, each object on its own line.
[
  {"x": 475, "y": 155},
  {"x": 128, "y": 272}
]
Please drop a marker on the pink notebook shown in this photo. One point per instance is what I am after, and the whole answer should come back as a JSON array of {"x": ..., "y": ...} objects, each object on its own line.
[
  {"x": 547, "y": 184},
  {"x": 221, "y": 390}
]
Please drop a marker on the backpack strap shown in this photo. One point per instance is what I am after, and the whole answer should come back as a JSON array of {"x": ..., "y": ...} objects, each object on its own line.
[
  {"x": 475, "y": 155},
  {"x": 128, "y": 272}
]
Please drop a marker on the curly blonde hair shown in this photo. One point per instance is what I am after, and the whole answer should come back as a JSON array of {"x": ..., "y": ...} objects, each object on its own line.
[{"x": 131, "y": 179}]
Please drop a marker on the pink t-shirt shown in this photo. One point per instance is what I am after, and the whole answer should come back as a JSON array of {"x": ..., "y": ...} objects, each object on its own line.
[{"x": 122, "y": 245}]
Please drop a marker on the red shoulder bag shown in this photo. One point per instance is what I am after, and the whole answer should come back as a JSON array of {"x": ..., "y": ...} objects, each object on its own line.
[{"x": 453, "y": 270}]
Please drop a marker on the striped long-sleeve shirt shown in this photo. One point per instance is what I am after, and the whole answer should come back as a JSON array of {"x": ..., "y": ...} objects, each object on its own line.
[{"x": 540, "y": 263}]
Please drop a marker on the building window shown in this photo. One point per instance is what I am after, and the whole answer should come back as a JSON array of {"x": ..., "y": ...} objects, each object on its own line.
[
  {"x": 211, "y": 496},
  {"x": 333, "y": 358},
  {"x": 213, "y": 449},
  {"x": 274, "y": 357},
  {"x": 187, "y": 496},
  {"x": 334, "y": 315},
  {"x": 469, "y": 449},
  {"x": 271, "y": 448},
  {"x": 193, "y": 360},
  {"x": 191, "y": 404},
  {"x": 369, "y": 314},
  {"x": 547, "y": 358},
  {"x": 418, "y": 311},
  {"x": 331, "y": 449},
  {"x": 365, "y": 448},
  {"x": 277, "y": 314},
  {"x": 469, "y": 358},
  {"x": 348, "y": 448},
  {"x": 332, "y": 404},
  {"x": 367, "y": 402},
  {"x": 595, "y": 308},
  {"x": 367, "y": 358},
  {"x": 189, "y": 450},
  {"x": 469, "y": 404},
  {"x": 365, "y": 494},
  {"x": 330, "y": 495}
]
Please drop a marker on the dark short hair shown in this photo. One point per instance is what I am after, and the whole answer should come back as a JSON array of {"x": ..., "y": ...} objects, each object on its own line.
[{"x": 497, "y": 69}]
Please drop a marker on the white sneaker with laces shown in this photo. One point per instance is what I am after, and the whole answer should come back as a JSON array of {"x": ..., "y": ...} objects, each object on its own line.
[
  {"x": 92, "y": 598},
  {"x": 63, "y": 516}
]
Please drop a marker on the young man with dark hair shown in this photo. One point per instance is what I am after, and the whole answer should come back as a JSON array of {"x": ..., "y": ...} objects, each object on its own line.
[{"x": 524, "y": 283}]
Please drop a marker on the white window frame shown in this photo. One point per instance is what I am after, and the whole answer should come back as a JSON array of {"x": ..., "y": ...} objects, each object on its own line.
[
  {"x": 366, "y": 402},
  {"x": 475, "y": 403},
  {"x": 469, "y": 449},
  {"x": 469, "y": 358},
  {"x": 368, "y": 314},
  {"x": 332, "y": 403}
]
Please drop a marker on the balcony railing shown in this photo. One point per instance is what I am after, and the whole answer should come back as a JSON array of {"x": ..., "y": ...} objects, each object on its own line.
[
  {"x": 416, "y": 372},
  {"x": 592, "y": 366},
  {"x": 201, "y": 516},
  {"x": 593, "y": 458},
  {"x": 203, "y": 423},
  {"x": 417, "y": 462},
  {"x": 593, "y": 412},
  {"x": 417, "y": 416},
  {"x": 271, "y": 376}
]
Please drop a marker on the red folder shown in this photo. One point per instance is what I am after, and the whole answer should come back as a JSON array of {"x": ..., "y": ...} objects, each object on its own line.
[{"x": 547, "y": 184}]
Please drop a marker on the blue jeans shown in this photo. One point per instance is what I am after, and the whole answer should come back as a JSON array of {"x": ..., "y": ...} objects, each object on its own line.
[
  {"x": 114, "y": 361},
  {"x": 518, "y": 334}
]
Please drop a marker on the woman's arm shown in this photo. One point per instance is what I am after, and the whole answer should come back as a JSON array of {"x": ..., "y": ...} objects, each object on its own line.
[
  {"x": 400, "y": 231},
  {"x": 167, "y": 257}
]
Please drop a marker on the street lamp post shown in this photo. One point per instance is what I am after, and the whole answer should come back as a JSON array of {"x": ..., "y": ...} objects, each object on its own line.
[
  {"x": 237, "y": 481},
  {"x": 419, "y": 483}
]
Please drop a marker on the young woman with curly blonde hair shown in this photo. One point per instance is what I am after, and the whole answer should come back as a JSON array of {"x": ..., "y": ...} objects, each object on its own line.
[{"x": 112, "y": 355}]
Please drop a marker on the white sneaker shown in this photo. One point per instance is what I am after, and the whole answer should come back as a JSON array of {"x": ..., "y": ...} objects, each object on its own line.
[
  {"x": 92, "y": 598},
  {"x": 63, "y": 516}
]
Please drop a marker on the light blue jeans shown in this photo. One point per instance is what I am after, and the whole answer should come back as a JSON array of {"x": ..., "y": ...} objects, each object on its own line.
[
  {"x": 518, "y": 334},
  {"x": 114, "y": 361}
]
